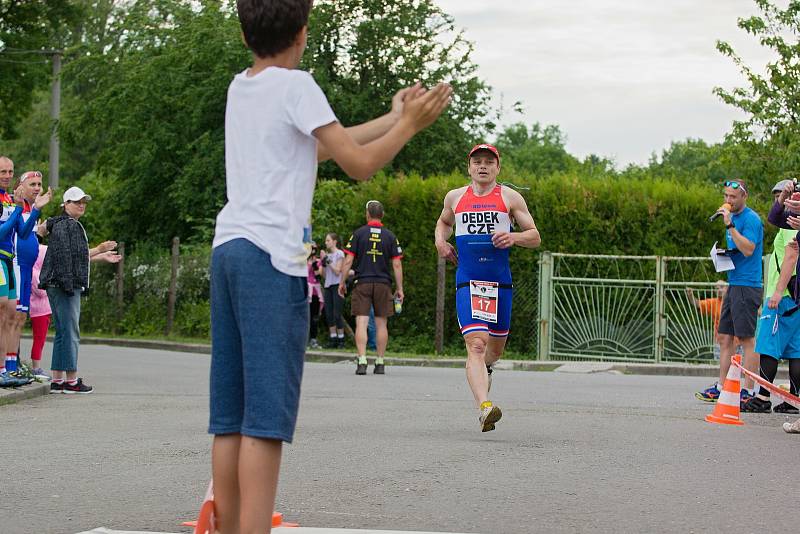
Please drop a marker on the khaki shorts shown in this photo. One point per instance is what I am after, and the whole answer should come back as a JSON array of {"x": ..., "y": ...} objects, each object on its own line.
[{"x": 366, "y": 294}]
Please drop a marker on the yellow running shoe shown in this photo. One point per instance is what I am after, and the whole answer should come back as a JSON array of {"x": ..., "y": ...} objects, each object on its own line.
[{"x": 490, "y": 414}]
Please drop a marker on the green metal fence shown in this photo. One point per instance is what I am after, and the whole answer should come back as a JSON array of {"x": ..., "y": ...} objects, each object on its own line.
[{"x": 627, "y": 308}]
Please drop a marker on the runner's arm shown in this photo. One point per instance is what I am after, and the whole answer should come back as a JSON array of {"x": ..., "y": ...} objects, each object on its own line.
[
  {"x": 360, "y": 162},
  {"x": 444, "y": 229},
  {"x": 529, "y": 236}
]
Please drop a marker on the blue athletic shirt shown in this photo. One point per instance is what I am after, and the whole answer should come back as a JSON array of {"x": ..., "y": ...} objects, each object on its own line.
[
  {"x": 748, "y": 269},
  {"x": 9, "y": 221},
  {"x": 477, "y": 218},
  {"x": 27, "y": 246}
]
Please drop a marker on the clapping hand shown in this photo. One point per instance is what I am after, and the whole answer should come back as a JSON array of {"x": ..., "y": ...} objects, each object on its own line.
[{"x": 43, "y": 198}]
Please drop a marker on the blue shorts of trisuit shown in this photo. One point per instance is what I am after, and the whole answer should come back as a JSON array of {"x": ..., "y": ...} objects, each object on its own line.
[
  {"x": 467, "y": 323},
  {"x": 24, "y": 276},
  {"x": 778, "y": 333}
]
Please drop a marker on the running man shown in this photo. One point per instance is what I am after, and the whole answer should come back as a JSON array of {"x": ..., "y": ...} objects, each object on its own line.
[{"x": 483, "y": 213}]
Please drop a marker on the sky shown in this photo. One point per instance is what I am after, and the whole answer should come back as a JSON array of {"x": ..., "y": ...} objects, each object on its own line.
[{"x": 622, "y": 78}]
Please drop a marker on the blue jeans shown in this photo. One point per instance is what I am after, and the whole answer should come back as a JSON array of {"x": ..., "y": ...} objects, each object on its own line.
[
  {"x": 259, "y": 324},
  {"x": 66, "y": 320}
]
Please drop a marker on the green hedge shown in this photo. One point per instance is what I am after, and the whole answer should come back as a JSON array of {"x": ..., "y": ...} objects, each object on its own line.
[{"x": 624, "y": 216}]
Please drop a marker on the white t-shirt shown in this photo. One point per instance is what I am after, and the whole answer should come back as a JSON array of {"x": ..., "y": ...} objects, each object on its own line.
[
  {"x": 271, "y": 163},
  {"x": 331, "y": 277}
]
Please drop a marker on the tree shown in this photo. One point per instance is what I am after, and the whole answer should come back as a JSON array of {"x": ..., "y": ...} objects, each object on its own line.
[
  {"x": 539, "y": 150},
  {"x": 147, "y": 108},
  {"x": 769, "y": 138},
  {"x": 28, "y": 27},
  {"x": 361, "y": 52}
]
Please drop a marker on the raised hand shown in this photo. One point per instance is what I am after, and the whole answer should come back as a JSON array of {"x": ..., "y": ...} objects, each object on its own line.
[
  {"x": 42, "y": 199},
  {"x": 18, "y": 195},
  {"x": 421, "y": 107}
]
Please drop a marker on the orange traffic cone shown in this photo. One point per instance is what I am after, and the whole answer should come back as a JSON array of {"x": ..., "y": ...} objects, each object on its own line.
[
  {"x": 206, "y": 520},
  {"x": 726, "y": 411}
]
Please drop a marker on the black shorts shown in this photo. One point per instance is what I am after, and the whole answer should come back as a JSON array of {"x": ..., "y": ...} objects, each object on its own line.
[{"x": 740, "y": 311}]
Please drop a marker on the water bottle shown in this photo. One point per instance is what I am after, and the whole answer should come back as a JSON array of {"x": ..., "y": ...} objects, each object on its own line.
[{"x": 398, "y": 305}]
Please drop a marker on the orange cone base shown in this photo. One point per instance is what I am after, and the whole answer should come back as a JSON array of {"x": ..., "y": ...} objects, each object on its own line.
[
  {"x": 711, "y": 418},
  {"x": 277, "y": 521}
]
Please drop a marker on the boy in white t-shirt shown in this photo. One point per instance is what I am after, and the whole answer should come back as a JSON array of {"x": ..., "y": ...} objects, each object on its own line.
[{"x": 278, "y": 126}]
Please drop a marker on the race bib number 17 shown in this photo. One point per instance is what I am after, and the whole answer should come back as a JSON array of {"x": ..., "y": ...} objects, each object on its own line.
[{"x": 483, "y": 297}]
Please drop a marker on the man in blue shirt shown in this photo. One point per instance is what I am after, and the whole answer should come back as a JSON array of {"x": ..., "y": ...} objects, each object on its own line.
[{"x": 745, "y": 236}]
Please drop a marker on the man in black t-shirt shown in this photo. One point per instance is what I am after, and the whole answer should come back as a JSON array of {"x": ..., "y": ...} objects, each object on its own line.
[{"x": 370, "y": 250}]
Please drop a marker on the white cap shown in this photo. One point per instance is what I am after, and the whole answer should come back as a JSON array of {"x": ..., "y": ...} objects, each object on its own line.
[
  {"x": 74, "y": 194},
  {"x": 780, "y": 185}
]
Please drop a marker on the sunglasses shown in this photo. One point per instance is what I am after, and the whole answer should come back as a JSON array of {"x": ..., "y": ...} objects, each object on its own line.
[
  {"x": 30, "y": 174},
  {"x": 735, "y": 185}
]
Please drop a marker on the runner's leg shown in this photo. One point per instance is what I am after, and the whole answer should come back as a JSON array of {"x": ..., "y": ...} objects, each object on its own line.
[{"x": 477, "y": 376}]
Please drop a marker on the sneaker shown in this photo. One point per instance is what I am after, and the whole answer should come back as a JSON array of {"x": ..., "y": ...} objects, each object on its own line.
[
  {"x": 8, "y": 381},
  {"x": 78, "y": 387},
  {"x": 745, "y": 397},
  {"x": 756, "y": 405},
  {"x": 361, "y": 369},
  {"x": 708, "y": 395},
  {"x": 489, "y": 416},
  {"x": 380, "y": 369},
  {"x": 41, "y": 374},
  {"x": 792, "y": 428},
  {"x": 339, "y": 342},
  {"x": 489, "y": 372},
  {"x": 785, "y": 407},
  {"x": 56, "y": 387}
]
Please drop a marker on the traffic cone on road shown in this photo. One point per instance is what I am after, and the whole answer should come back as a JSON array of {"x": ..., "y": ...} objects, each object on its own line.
[
  {"x": 206, "y": 520},
  {"x": 726, "y": 410}
]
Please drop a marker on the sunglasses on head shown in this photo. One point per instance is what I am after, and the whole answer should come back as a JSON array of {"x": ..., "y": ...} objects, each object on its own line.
[{"x": 735, "y": 185}]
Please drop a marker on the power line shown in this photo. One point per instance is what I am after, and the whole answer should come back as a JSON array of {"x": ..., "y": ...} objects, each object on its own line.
[{"x": 23, "y": 62}]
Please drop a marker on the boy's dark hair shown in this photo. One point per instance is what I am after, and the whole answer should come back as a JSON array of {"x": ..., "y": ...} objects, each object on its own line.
[
  {"x": 375, "y": 209},
  {"x": 270, "y": 26}
]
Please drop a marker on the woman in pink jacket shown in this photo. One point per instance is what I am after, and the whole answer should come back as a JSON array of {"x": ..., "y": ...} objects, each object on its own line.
[{"x": 40, "y": 316}]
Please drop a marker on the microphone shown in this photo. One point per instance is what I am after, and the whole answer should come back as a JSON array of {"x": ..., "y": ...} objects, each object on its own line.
[{"x": 718, "y": 214}]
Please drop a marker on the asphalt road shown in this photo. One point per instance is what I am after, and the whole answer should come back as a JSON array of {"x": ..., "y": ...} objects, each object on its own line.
[{"x": 573, "y": 453}]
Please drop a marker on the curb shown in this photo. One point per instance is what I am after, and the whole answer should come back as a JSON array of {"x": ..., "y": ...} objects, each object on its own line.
[
  {"x": 322, "y": 356},
  {"x": 32, "y": 390}
]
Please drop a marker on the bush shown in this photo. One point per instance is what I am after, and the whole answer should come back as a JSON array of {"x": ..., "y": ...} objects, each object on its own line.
[{"x": 603, "y": 215}]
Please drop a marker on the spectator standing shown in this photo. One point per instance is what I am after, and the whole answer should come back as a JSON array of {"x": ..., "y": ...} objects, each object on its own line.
[
  {"x": 333, "y": 261},
  {"x": 372, "y": 249},
  {"x": 711, "y": 307},
  {"x": 40, "y": 313},
  {"x": 744, "y": 235},
  {"x": 315, "y": 297},
  {"x": 65, "y": 276},
  {"x": 26, "y": 247}
]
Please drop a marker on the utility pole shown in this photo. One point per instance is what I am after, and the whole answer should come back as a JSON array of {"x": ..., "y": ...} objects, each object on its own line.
[{"x": 55, "y": 114}]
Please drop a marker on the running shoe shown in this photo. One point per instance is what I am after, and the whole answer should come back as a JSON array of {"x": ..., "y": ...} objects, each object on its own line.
[
  {"x": 380, "y": 369},
  {"x": 489, "y": 416},
  {"x": 8, "y": 381},
  {"x": 41, "y": 374},
  {"x": 792, "y": 428},
  {"x": 785, "y": 407},
  {"x": 489, "y": 372},
  {"x": 56, "y": 387},
  {"x": 313, "y": 344},
  {"x": 77, "y": 387},
  {"x": 756, "y": 405},
  {"x": 361, "y": 369},
  {"x": 709, "y": 394},
  {"x": 744, "y": 398}
]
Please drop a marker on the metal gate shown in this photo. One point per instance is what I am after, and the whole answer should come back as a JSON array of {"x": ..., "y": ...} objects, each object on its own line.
[{"x": 627, "y": 308}]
